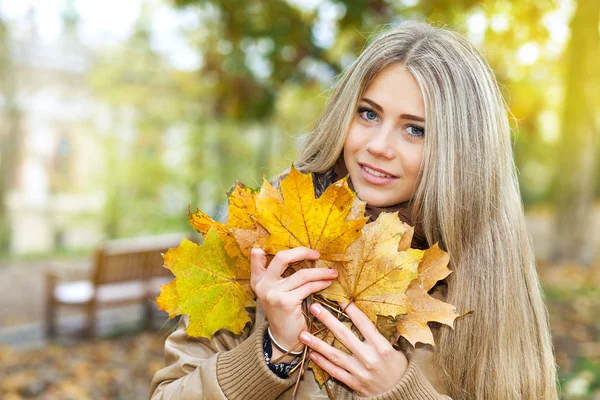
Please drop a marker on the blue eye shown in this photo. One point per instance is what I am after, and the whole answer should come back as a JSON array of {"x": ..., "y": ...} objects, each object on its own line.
[
  {"x": 415, "y": 131},
  {"x": 367, "y": 114}
]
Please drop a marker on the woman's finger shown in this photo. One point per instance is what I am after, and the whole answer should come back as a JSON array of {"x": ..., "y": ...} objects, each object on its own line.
[
  {"x": 335, "y": 355},
  {"x": 365, "y": 326},
  {"x": 309, "y": 288},
  {"x": 299, "y": 278},
  {"x": 339, "y": 330},
  {"x": 332, "y": 369},
  {"x": 286, "y": 257}
]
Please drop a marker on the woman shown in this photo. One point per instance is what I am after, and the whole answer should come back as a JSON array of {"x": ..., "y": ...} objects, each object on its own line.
[{"x": 418, "y": 123}]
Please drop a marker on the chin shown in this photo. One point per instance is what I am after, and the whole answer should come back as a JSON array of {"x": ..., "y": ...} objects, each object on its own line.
[{"x": 376, "y": 200}]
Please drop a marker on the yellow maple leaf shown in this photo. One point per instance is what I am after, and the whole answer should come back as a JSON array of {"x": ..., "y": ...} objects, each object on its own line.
[
  {"x": 296, "y": 218},
  {"x": 200, "y": 221},
  {"x": 242, "y": 214},
  {"x": 377, "y": 275},
  {"x": 209, "y": 287},
  {"x": 242, "y": 207},
  {"x": 241, "y": 211},
  {"x": 413, "y": 326}
]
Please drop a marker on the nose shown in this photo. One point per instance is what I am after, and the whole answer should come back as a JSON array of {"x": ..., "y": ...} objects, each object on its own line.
[{"x": 380, "y": 144}]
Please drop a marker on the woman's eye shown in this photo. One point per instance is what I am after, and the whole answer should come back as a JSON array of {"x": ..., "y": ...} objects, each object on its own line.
[
  {"x": 366, "y": 114},
  {"x": 415, "y": 131}
]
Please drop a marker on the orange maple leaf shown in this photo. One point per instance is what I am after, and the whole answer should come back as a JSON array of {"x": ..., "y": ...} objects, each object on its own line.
[{"x": 413, "y": 326}]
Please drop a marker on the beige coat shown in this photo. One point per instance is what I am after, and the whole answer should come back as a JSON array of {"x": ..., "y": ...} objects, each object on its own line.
[{"x": 233, "y": 367}]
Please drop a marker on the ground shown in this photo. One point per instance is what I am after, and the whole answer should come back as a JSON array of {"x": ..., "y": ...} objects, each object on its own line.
[
  {"x": 573, "y": 301},
  {"x": 118, "y": 368}
]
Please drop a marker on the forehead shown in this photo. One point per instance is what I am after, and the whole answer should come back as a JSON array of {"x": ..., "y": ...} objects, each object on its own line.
[{"x": 396, "y": 90}]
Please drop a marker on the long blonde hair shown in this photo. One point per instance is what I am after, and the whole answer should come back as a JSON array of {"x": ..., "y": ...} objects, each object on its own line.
[{"x": 468, "y": 201}]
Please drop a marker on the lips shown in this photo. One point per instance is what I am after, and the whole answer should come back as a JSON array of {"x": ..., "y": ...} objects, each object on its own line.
[
  {"x": 376, "y": 171},
  {"x": 375, "y": 176}
]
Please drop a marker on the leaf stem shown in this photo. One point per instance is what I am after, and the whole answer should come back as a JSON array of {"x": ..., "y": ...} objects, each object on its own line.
[
  {"x": 329, "y": 304},
  {"x": 329, "y": 392}
]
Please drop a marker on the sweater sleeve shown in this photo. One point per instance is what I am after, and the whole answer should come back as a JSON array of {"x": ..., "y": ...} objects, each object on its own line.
[
  {"x": 227, "y": 367},
  {"x": 243, "y": 372},
  {"x": 412, "y": 386}
]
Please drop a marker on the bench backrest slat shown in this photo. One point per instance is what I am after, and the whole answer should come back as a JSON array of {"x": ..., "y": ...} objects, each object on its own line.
[{"x": 111, "y": 267}]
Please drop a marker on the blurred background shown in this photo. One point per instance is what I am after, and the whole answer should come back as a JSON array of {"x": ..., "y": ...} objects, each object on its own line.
[{"x": 118, "y": 115}]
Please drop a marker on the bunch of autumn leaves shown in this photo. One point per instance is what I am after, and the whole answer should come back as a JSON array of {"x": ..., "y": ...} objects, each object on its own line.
[{"x": 377, "y": 269}]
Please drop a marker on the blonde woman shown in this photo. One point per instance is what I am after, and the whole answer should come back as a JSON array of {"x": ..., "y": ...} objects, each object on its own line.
[{"x": 419, "y": 125}]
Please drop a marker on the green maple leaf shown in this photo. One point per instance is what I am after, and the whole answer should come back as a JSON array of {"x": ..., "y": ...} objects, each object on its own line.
[{"x": 209, "y": 287}]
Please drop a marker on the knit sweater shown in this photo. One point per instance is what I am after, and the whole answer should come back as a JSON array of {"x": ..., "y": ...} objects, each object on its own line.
[{"x": 233, "y": 367}]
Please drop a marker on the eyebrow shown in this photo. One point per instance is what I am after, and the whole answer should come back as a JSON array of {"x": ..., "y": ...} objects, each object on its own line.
[{"x": 380, "y": 109}]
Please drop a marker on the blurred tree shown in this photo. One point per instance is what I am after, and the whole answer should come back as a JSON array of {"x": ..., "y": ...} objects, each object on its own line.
[
  {"x": 147, "y": 97},
  {"x": 576, "y": 176},
  {"x": 250, "y": 51},
  {"x": 250, "y": 48},
  {"x": 10, "y": 132}
]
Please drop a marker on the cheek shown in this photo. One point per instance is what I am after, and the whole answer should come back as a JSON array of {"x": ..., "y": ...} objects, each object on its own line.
[
  {"x": 412, "y": 161},
  {"x": 351, "y": 143}
]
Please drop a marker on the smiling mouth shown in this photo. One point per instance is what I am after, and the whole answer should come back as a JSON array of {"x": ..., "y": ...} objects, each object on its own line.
[{"x": 376, "y": 173}]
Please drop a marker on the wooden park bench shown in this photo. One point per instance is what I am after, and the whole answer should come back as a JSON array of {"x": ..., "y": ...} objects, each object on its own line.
[{"x": 124, "y": 272}]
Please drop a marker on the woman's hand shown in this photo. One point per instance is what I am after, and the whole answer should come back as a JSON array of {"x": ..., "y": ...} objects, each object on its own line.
[
  {"x": 374, "y": 366},
  {"x": 281, "y": 298}
]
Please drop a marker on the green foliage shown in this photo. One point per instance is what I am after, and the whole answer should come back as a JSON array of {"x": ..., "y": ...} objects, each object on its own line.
[{"x": 589, "y": 371}]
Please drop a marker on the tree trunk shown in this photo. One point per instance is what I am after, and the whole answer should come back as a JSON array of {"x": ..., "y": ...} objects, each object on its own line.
[
  {"x": 577, "y": 148},
  {"x": 10, "y": 135},
  {"x": 113, "y": 180}
]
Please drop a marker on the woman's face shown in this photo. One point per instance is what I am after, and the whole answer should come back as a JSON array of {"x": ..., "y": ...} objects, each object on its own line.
[{"x": 384, "y": 145}]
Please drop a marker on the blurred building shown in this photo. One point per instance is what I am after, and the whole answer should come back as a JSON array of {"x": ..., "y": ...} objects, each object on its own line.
[{"x": 52, "y": 203}]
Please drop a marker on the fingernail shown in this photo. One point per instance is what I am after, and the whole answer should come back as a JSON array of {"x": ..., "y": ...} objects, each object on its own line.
[
  {"x": 315, "y": 309},
  {"x": 316, "y": 253},
  {"x": 333, "y": 271},
  {"x": 305, "y": 337},
  {"x": 313, "y": 356}
]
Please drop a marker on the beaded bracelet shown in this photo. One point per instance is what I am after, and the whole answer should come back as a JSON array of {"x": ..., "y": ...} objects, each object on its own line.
[{"x": 280, "y": 347}]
